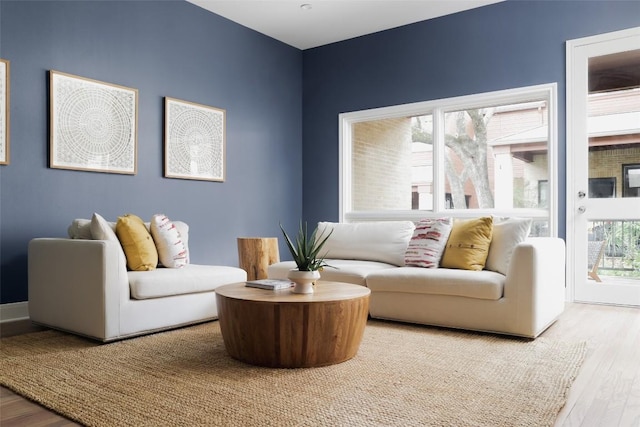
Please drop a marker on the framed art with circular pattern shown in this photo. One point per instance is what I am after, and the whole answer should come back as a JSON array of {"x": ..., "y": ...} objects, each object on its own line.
[
  {"x": 93, "y": 125},
  {"x": 194, "y": 141}
]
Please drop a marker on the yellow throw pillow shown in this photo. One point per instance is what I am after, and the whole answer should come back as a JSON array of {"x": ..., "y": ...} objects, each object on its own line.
[
  {"x": 468, "y": 244},
  {"x": 137, "y": 243}
]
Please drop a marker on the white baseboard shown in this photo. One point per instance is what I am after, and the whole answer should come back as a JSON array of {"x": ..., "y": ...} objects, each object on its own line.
[{"x": 14, "y": 311}]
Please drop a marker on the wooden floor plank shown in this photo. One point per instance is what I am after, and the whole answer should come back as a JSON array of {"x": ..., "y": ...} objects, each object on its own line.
[
  {"x": 624, "y": 370},
  {"x": 611, "y": 333},
  {"x": 583, "y": 391},
  {"x": 16, "y": 411},
  {"x": 605, "y": 384},
  {"x": 631, "y": 413},
  {"x": 631, "y": 410}
]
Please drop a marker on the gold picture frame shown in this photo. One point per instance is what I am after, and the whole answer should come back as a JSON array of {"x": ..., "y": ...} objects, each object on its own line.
[
  {"x": 5, "y": 81},
  {"x": 93, "y": 125},
  {"x": 194, "y": 141}
]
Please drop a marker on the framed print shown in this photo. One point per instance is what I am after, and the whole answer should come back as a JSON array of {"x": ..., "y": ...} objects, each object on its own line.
[
  {"x": 4, "y": 112},
  {"x": 194, "y": 141},
  {"x": 93, "y": 125}
]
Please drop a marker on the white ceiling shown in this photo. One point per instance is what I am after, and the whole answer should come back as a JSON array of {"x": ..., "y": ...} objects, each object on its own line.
[{"x": 329, "y": 21}]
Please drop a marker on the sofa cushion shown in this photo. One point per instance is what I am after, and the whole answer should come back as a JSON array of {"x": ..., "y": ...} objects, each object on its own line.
[
  {"x": 137, "y": 243},
  {"x": 468, "y": 244},
  {"x": 507, "y": 234},
  {"x": 484, "y": 284},
  {"x": 80, "y": 228},
  {"x": 382, "y": 241},
  {"x": 427, "y": 244},
  {"x": 171, "y": 251},
  {"x": 346, "y": 270},
  {"x": 183, "y": 229},
  {"x": 100, "y": 229},
  {"x": 163, "y": 282}
]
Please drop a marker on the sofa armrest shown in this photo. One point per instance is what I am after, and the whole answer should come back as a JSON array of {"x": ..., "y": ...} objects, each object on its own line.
[
  {"x": 536, "y": 282},
  {"x": 77, "y": 285}
]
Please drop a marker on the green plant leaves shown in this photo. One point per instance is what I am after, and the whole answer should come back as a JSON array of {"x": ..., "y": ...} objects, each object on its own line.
[{"x": 306, "y": 249}]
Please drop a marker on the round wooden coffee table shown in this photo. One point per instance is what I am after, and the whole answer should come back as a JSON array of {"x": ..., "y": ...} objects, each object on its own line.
[{"x": 280, "y": 329}]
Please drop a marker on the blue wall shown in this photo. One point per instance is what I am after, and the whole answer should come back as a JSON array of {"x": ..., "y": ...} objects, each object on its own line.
[
  {"x": 501, "y": 46},
  {"x": 282, "y": 106},
  {"x": 162, "y": 48}
]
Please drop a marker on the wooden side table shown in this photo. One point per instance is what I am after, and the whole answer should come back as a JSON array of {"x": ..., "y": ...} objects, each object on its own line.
[{"x": 256, "y": 254}]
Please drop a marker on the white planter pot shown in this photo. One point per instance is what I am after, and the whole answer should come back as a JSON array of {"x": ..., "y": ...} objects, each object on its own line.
[{"x": 303, "y": 280}]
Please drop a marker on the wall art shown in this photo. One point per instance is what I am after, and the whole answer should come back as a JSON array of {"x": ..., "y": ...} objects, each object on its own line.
[
  {"x": 93, "y": 125},
  {"x": 194, "y": 141},
  {"x": 4, "y": 112}
]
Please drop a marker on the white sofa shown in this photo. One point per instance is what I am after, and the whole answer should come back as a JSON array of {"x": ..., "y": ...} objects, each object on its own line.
[
  {"x": 523, "y": 302},
  {"x": 82, "y": 286}
]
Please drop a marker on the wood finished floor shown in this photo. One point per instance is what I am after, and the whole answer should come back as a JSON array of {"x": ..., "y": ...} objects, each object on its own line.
[{"x": 606, "y": 392}]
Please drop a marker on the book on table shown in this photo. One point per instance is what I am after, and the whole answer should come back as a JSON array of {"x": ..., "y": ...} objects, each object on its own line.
[{"x": 273, "y": 284}]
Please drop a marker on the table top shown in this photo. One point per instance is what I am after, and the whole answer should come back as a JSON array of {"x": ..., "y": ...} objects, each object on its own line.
[{"x": 323, "y": 291}]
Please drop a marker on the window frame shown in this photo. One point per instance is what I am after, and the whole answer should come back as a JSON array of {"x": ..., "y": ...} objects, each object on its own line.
[{"x": 438, "y": 108}]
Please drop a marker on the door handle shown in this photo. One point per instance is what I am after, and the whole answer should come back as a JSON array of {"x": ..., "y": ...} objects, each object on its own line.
[
  {"x": 582, "y": 209},
  {"x": 581, "y": 194}
]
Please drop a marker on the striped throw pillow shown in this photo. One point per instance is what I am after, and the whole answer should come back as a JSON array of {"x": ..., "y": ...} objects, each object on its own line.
[{"x": 426, "y": 247}]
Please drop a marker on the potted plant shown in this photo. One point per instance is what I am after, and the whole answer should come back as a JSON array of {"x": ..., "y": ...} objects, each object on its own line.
[{"x": 306, "y": 254}]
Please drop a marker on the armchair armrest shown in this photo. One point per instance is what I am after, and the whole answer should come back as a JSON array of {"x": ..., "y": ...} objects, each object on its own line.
[
  {"x": 536, "y": 281},
  {"x": 77, "y": 285}
]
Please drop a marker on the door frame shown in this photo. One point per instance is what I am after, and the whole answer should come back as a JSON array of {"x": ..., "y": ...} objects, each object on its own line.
[{"x": 575, "y": 119}]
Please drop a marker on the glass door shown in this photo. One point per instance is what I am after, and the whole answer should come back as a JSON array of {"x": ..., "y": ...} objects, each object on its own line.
[{"x": 603, "y": 175}]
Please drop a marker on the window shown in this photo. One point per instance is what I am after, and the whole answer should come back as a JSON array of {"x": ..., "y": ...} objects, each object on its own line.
[
  {"x": 601, "y": 188},
  {"x": 543, "y": 193},
  {"x": 465, "y": 156},
  {"x": 631, "y": 174}
]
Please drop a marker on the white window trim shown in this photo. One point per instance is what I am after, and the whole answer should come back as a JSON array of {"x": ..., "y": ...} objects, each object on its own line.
[{"x": 438, "y": 108}]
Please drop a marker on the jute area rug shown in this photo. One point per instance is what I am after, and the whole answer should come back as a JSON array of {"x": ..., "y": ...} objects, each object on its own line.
[{"x": 403, "y": 375}]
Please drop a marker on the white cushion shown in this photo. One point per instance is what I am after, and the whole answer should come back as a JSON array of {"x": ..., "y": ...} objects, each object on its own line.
[
  {"x": 507, "y": 234},
  {"x": 427, "y": 244},
  {"x": 163, "y": 282},
  {"x": 183, "y": 229},
  {"x": 171, "y": 250},
  {"x": 482, "y": 284},
  {"x": 80, "y": 228},
  {"x": 102, "y": 230},
  {"x": 382, "y": 241}
]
